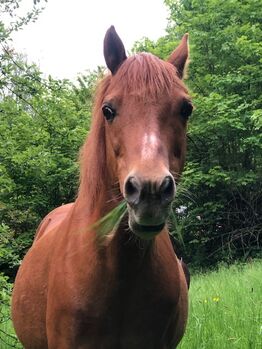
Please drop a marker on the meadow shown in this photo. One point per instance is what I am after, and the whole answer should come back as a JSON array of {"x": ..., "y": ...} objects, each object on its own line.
[{"x": 225, "y": 310}]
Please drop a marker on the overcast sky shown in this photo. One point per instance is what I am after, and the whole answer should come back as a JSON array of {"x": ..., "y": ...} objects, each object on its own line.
[{"x": 68, "y": 36}]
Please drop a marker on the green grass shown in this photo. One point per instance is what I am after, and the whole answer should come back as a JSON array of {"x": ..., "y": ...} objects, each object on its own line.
[
  {"x": 225, "y": 310},
  {"x": 7, "y": 333},
  {"x": 110, "y": 222}
]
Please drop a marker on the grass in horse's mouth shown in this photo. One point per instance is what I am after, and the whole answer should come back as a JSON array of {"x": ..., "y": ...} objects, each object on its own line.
[{"x": 110, "y": 222}]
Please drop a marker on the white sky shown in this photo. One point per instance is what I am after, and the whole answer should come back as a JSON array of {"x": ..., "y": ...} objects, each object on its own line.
[{"x": 68, "y": 36}]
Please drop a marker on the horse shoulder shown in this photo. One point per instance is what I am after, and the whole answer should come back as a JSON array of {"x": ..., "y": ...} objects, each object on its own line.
[
  {"x": 30, "y": 294},
  {"x": 52, "y": 220}
]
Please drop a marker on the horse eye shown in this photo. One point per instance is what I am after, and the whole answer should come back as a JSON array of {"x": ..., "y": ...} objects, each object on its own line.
[
  {"x": 109, "y": 112},
  {"x": 186, "y": 109}
]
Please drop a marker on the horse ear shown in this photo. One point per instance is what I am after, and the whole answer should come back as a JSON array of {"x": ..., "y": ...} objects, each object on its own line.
[
  {"x": 114, "y": 50},
  {"x": 179, "y": 57}
]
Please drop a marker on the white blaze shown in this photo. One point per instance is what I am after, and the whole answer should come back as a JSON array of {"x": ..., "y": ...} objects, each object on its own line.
[{"x": 150, "y": 145}]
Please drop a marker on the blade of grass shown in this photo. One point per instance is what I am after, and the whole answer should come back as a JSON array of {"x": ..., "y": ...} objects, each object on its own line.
[
  {"x": 177, "y": 231},
  {"x": 110, "y": 222}
]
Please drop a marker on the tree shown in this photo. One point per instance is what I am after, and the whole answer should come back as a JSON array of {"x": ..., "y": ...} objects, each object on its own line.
[{"x": 41, "y": 134}]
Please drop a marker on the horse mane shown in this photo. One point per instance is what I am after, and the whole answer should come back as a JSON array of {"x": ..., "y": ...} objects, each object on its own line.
[
  {"x": 93, "y": 167},
  {"x": 142, "y": 75}
]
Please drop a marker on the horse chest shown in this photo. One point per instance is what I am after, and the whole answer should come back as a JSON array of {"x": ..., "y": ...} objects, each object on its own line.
[
  {"x": 138, "y": 325},
  {"x": 134, "y": 314}
]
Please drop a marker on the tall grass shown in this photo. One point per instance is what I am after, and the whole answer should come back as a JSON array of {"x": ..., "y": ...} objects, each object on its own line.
[
  {"x": 226, "y": 309},
  {"x": 7, "y": 334}
]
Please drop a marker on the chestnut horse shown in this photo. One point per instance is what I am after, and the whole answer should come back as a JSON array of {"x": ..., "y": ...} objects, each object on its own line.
[{"x": 128, "y": 290}]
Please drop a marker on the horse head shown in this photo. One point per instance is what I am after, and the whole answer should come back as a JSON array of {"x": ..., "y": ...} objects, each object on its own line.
[{"x": 146, "y": 107}]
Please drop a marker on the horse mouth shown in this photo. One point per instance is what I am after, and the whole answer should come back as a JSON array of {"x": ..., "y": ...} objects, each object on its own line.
[{"x": 146, "y": 231}]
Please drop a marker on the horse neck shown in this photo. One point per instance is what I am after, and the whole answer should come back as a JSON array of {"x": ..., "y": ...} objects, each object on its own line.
[
  {"x": 94, "y": 207},
  {"x": 131, "y": 250}
]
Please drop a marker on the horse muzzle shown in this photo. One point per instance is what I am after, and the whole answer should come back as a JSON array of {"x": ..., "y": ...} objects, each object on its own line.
[{"x": 149, "y": 204}]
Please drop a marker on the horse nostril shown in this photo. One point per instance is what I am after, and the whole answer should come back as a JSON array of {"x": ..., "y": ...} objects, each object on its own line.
[
  {"x": 132, "y": 190},
  {"x": 167, "y": 188}
]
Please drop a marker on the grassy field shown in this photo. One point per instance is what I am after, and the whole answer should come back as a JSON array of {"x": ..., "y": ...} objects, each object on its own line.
[
  {"x": 225, "y": 310},
  {"x": 7, "y": 335}
]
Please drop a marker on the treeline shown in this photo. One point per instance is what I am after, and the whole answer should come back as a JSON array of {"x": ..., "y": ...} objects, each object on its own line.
[{"x": 45, "y": 121}]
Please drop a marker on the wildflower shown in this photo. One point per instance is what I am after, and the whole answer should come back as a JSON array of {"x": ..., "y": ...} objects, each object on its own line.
[{"x": 216, "y": 299}]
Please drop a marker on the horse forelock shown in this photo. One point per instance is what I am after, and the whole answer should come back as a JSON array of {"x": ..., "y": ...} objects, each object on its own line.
[{"x": 146, "y": 76}]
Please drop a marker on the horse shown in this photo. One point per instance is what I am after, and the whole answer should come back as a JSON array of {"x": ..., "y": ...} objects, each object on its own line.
[{"x": 126, "y": 290}]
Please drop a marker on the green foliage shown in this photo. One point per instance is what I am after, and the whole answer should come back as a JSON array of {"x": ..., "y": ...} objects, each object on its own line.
[
  {"x": 223, "y": 175},
  {"x": 41, "y": 134},
  {"x": 43, "y": 124},
  {"x": 9, "y": 248},
  {"x": 5, "y": 292}
]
